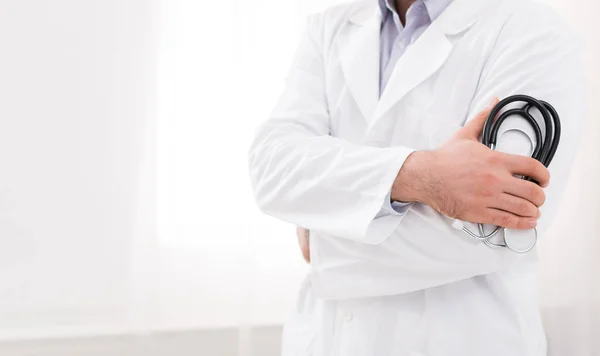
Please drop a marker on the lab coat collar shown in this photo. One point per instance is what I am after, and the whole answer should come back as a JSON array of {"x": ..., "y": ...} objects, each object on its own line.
[
  {"x": 457, "y": 17},
  {"x": 434, "y": 7}
]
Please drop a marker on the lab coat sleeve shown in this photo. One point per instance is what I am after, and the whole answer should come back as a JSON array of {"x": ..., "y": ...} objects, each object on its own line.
[
  {"x": 425, "y": 251},
  {"x": 302, "y": 175}
]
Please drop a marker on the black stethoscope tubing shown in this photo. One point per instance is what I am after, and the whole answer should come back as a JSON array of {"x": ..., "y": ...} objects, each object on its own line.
[
  {"x": 546, "y": 145},
  {"x": 544, "y": 148}
]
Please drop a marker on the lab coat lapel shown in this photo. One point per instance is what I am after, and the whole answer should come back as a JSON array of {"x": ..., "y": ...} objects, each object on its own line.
[
  {"x": 424, "y": 57},
  {"x": 419, "y": 61},
  {"x": 359, "y": 56}
]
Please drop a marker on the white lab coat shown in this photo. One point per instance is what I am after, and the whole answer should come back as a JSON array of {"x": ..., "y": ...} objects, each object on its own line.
[{"x": 409, "y": 284}]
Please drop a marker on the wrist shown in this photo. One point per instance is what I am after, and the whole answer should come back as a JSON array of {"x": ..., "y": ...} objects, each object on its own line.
[{"x": 411, "y": 182}]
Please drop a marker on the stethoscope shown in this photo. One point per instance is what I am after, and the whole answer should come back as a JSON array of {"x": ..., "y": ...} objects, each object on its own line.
[{"x": 519, "y": 241}]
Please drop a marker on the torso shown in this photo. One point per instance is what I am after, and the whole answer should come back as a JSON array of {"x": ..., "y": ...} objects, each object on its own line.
[{"x": 495, "y": 314}]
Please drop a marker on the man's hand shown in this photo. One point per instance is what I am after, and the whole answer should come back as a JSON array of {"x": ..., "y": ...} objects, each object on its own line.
[
  {"x": 466, "y": 180},
  {"x": 303, "y": 239}
]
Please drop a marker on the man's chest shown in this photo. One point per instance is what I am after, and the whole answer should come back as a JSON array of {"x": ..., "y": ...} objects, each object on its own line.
[{"x": 422, "y": 116}]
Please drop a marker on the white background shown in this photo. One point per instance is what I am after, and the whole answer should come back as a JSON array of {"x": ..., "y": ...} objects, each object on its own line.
[{"x": 124, "y": 197}]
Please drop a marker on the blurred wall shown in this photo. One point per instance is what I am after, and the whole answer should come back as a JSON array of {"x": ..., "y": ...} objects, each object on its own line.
[
  {"x": 570, "y": 266},
  {"x": 78, "y": 249},
  {"x": 75, "y": 88}
]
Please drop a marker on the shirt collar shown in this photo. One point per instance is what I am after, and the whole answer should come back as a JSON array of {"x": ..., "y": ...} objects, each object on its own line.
[{"x": 434, "y": 7}]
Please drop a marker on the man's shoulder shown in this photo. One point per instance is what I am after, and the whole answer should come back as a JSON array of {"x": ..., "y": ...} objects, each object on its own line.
[
  {"x": 342, "y": 13},
  {"x": 535, "y": 17},
  {"x": 350, "y": 8},
  {"x": 328, "y": 23}
]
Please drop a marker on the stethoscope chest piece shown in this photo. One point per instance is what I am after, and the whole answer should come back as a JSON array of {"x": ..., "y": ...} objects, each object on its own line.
[{"x": 520, "y": 241}]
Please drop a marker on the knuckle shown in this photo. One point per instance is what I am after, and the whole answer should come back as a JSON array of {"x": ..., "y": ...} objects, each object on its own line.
[
  {"x": 489, "y": 178},
  {"x": 542, "y": 172},
  {"x": 546, "y": 175},
  {"x": 471, "y": 205},
  {"x": 525, "y": 166},
  {"x": 486, "y": 193},
  {"x": 502, "y": 219},
  {"x": 534, "y": 165},
  {"x": 506, "y": 220},
  {"x": 542, "y": 197},
  {"x": 534, "y": 192},
  {"x": 524, "y": 208},
  {"x": 494, "y": 159},
  {"x": 521, "y": 224},
  {"x": 537, "y": 195}
]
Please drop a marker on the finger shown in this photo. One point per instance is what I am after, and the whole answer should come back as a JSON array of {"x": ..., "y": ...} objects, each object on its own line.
[
  {"x": 301, "y": 232},
  {"x": 525, "y": 190},
  {"x": 505, "y": 219},
  {"x": 303, "y": 240},
  {"x": 529, "y": 167},
  {"x": 516, "y": 206},
  {"x": 473, "y": 128}
]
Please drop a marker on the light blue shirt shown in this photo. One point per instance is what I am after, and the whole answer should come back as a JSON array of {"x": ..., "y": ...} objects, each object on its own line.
[
  {"x": 395, "y": 37},
  {"x": 394, "y": 40}
]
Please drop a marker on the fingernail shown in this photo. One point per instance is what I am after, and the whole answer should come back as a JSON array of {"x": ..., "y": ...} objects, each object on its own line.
[
  {"x": 539, "y": 214},
  {"x": 532, "y": 223}
]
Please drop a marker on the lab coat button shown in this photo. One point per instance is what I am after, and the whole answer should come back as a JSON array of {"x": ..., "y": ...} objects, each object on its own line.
[{"x": 348, "y": 316}]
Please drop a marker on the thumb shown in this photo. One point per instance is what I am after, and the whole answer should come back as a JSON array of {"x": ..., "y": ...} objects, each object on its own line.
[{"x": 472, "y": 130}]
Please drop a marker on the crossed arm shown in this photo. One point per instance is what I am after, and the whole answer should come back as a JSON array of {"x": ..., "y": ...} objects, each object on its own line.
[
  {"x": 418, "y": 249},
  {"x": 495, "y": 197}
]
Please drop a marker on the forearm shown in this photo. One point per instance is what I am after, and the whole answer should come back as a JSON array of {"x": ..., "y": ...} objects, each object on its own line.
[
  {"x": 301, "y": 174},
  {"x": 311, "y": 180},
  {"x": 424, "y": 251}
]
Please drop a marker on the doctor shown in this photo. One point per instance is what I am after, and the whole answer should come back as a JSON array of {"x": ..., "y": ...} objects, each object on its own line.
[{"x": 373, "y": 148}]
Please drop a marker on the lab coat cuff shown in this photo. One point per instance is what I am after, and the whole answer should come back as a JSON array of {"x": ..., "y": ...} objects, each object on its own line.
[
  {"x": 390, "y": 214},
  {"x": 392, "y": 207}
]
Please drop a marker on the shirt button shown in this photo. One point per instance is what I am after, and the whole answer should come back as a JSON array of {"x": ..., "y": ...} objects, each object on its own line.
[{"x": 348, "y": 316}]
